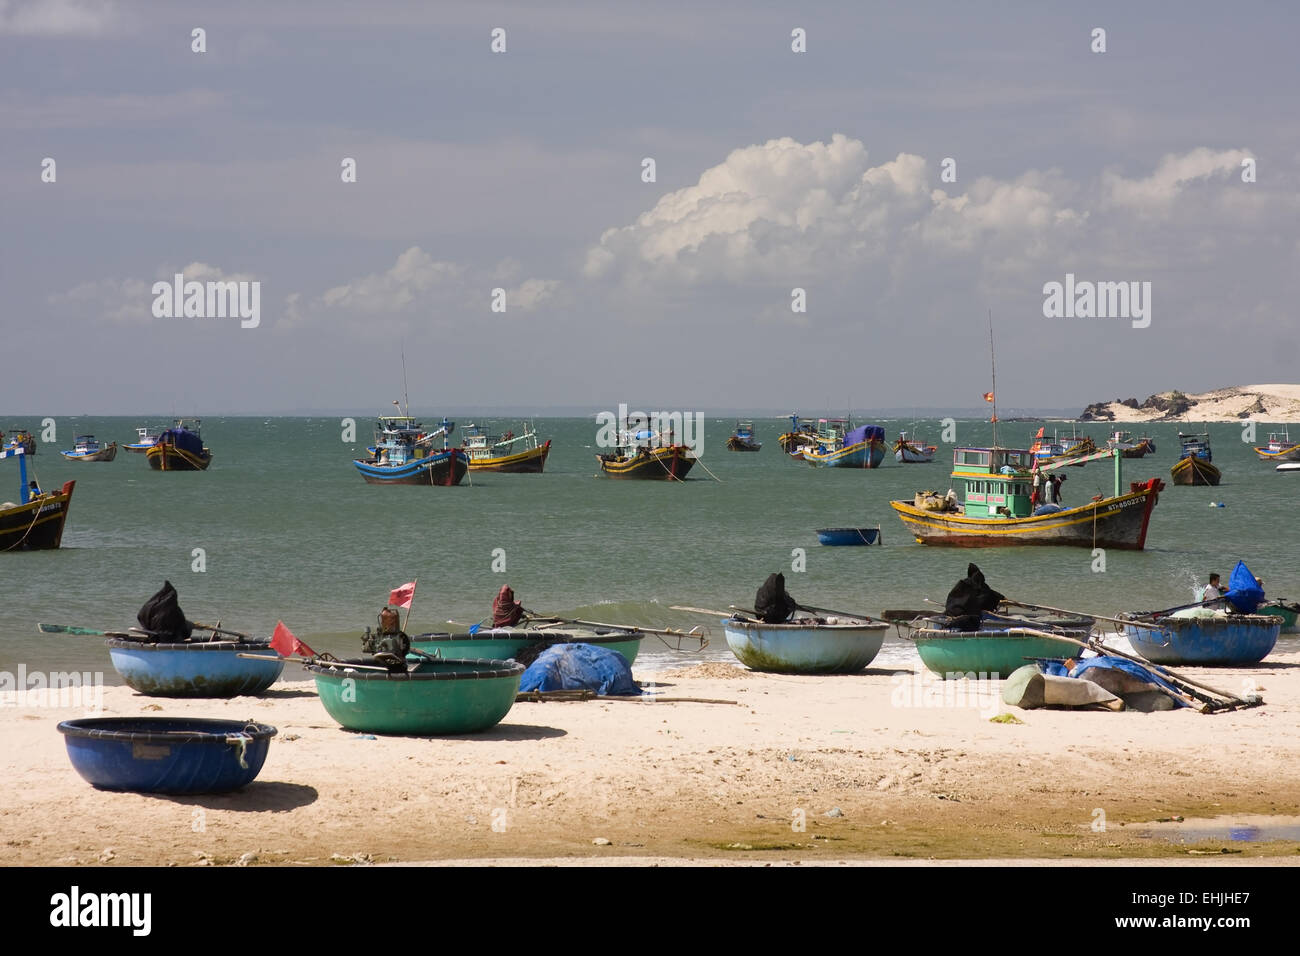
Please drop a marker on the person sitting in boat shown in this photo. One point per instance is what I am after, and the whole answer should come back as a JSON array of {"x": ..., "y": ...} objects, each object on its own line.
[
  {"x": 771, "y": 603},
  {"x": 969, "y": 599},
  {"x": 506, "y": 611},
  {"x": 1211, "y": 591},
  {"x": 33, "y": 491}
]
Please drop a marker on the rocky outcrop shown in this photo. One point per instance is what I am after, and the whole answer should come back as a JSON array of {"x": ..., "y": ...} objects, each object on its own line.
[
  {"x": 1097, "y": 412},
  {"x": 1170, "y": 405},
  {"x": 1256, "y": 409}
]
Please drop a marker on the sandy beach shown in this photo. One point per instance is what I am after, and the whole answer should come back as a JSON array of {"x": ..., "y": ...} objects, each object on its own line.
[
  {"x": 1277, "y": 404},
  {"x": 880, "y": 766}
]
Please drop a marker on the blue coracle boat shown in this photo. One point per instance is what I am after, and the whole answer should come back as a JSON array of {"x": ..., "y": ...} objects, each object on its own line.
[
  {"x": 166, "y": 754},
  {"x": 863, "y": 447},
  {"x": 849, "y": 536},
  {"x": 831, "y": 645},
  {"x": 196, "y": 669}
]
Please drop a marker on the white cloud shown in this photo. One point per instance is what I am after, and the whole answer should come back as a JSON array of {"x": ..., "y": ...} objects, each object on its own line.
[
  {"x": 130, "y": 299},
  {"x": 55, "y": 17},
  {"x": 1174, "y": 174},
  {"x": 413, "y": 275}
]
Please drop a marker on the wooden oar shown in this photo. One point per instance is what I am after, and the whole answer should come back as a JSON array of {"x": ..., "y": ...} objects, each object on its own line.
[
  {"x": 217, "y": 629},
  {"x": 1058, "y": 610},
  {"x": 309, "y": 660},
  {"x": 700, "y": 610},
  {"x": 826, "y": 610},
  {"x": 904, "y": 615},
  {"x": 69, "y": 629}
]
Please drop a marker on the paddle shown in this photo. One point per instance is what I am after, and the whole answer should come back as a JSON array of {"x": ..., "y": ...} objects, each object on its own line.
[
  {"x": 712, "y": 613},
  {"x": 826, "y": 610},
  {"x": 659, "y": 632},
  {"x": 316, "y": 661},
  {"x": 76, "y": 631}
]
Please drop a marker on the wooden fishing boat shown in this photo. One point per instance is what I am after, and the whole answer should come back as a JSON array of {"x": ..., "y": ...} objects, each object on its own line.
[
  {"x": 1129, "y": 446},
  {"x": 995, "y": 506},
  {"x": 1195, "y": 465},
  {"x": 507, "y": 643},
  {"x": 802, "y": 434},
  {"x": 405, "y": 454},
  {"x": 36, "y": 522},
  {"x": 195, "y": 668},
  {"x": 839, "y": 537},
  {"x": 509, "y": 453},
  {"x": 87, "y": 448},
  {"x": 1224, "y": 639},
  {"x": 913, "y": 451},
  {"x": 643, "y": 453},
  {"x": 430, "y": 697},
  {"x": 19, "y": 438},
  {"x": 1000, "y": 646},
  {"x": 180, "y": 448},
  {"x": 1280, "y": 447},
  {"x": 146, "y": 440},
  {"x": 742, "y": 439},
  {"x": 1045, "y": 452},
  {"x": 861, "y": 447},
  {"x": 835, "y": 644},
  {"x": 1288, "y": 611},
  {"x": 178, "y": 755}
]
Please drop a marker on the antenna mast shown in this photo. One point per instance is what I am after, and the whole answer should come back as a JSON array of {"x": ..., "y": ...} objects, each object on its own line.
[
  {"x": 407, "y": 398},
  {"x": 994, "y": 368}
]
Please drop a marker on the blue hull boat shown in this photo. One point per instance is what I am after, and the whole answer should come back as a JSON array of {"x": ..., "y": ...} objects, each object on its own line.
[
  {"x": 837, "y": 645},
  {"x": 441, "y": 467},
  {"x": 166, "y": 754},
  {"x": 1231, "y": 639},
  {"x": 199, "y": 669},
  {"x": 868, "y": 454},
  {"x": 849, "y": 536}
]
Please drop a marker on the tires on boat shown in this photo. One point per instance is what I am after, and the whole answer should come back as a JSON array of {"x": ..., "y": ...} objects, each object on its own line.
[
  {"x": 198, "y": 669},
  {"x": 166, "y": 754}
]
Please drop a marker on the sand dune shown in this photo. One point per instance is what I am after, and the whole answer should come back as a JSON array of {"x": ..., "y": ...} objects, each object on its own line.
[{"x": 1262, "y": 403}]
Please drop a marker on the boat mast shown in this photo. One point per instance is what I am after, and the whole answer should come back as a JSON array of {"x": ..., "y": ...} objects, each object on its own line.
[
  {"x": 994, "y": 368},
  {"x": 406, "y": 398}
]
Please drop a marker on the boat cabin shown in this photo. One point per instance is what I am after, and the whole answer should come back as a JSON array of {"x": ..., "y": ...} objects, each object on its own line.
[
  {"x": 1277, "y": 443},
  {"x": 1197, "y": 446},
  {"x": 997, "y": 482}
]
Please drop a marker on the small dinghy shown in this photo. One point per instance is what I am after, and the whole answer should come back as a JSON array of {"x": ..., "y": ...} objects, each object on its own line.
[
  {"x": 839, "y": 537},
  {"x": 179, "y": 755}
]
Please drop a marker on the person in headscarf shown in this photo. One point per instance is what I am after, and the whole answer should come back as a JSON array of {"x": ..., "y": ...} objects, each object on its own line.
[
  {"x": 969, "y": 598},
  {"x": 506, "y": 611},
  {"x": 771, "y": 603}
]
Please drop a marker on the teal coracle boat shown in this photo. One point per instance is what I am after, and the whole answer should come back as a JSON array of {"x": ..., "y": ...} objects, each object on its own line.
[
  {"x": 1287, "y": 611},
  {"x": 1001, "y": 646},
  {"x": 431, "y": 697},
  {"x": 832, "y": 645},
  {"x": 506, "y": 643}
]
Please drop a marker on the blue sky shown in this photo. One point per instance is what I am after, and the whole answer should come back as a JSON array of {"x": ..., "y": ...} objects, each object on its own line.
[{"x": 522, "y": 171}]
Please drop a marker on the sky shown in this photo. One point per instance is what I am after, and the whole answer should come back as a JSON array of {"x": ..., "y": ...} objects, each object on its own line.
[{"x": 913, "y": 172}]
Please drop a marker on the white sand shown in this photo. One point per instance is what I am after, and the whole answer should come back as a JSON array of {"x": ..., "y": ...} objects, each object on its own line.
[{"x": 1281, "y": 404}]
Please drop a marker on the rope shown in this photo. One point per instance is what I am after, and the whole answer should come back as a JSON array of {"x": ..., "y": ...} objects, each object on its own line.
[{"x": 36, "y": 513}]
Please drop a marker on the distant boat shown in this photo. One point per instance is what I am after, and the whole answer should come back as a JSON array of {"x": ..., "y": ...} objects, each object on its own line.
[
  {"x": 839, "y": 537},
  {"x": 913, "y": 451},
  {"x": 1288, "y": 466},
  {"x": 511, "y": 453},
  {"x": 802, "y": 434},
  {"x": 646, "y": 454},
  {"x": 405, "y": 454},
  {"x": 742, "y": 439},
  {"x": 20, "y": 438},
  {"x": 1279, "y": 448},
  {"x": 1129, "y": 446},
  {"x": 87, "y": 448},
  {"x": 861, "y": 447},
  {"x": 1195, "y": 465},
  {"x": 147, "y": 440},
  {"x": 36, "y": 522},
  {"x": 1288, "y": 611},
  {"x": 180, "y": 448},
  {"x": 1046, "y": 451}
]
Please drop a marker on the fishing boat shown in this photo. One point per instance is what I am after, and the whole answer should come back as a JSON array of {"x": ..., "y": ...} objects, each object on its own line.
[
  {"x": 36, "y": 522},
  {"x": 146, "y": 440},
  {"x": 195, "y": 668},
  {"x": 802, "y": 434},
  {"x": 1279, "y": 448},
  {"x": 1288, "y": 611},
  {"x": 405, "y": 453},
  {"x": 429, "y": 697},
  {"x": 995, "y": 506},
  {"x": 507, "y": 643},
  {"x": 180, "y": 448},
  {"x": 1195, "y": 465},
  {"x": 742, "y": 439},
  {"x": 88, "y": 448},
  {"x": 1215, "y": 638},
  {"x": 913, "y": 451},
  {"x": 1000, "y": 646},
  {"x": 861, "y": 447},
  {"x": 839, "y": 537},
  {"x": 808, "y": 644},
  {"x": 1045, "y": 451},
  {"x": 646, "y": 454},
  {"x": 20, "y": 438},
  {"x": 509, "y": 453},
  {"x": 1129, "y": 446},
  {"x": 1288, "y": 466}
]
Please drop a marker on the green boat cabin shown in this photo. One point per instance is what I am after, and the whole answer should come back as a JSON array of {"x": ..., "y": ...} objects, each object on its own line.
[{"x": 997, "y": 482}]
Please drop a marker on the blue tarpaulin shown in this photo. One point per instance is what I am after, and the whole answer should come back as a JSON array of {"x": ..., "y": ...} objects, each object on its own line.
[
  {"x": 580, "y": 667},
  {"x": 1129, "y": 667},
  {"x": 1243, "y": 593},
  {"x": 864, "y": 433}
]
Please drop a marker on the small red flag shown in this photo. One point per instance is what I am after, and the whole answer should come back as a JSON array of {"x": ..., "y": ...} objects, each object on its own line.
[
  {"x": 403, "y": 596},
  {"x": 284, "y": 643},
  {"x": 988, "y": 396}
]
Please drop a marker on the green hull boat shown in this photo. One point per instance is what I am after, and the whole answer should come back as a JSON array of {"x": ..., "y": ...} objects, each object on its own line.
[
  {"x": 505, "y": 643},
  {"x": 995, "y": 654},
  {"x": 432, "y": 697},
  {"x": 1287, "y": 612}
]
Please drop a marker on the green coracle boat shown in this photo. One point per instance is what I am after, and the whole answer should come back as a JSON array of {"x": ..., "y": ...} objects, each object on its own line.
[
  {"x": 431, "y": 697},
  {"x": 996, "y": 649},
  {"x": 505, "y": 643},
  {"x": 1286, "y": 610}
]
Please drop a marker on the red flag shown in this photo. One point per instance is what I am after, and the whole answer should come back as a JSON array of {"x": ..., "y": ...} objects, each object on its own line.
[
  {"x": 403, "y": 596},
  {"x": 283, "y": 641},
  {"x": 988, "y": 396}
]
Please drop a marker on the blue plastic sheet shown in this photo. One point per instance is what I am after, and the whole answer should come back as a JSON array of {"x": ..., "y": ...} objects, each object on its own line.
[
  {"x": 580, "y": 667},
  {"x": 1243, "y": 593},
  {"x": 1129, "y": 667}
]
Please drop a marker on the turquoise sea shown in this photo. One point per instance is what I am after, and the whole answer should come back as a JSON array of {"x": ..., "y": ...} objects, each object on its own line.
[{"x": 289, "y": 531}]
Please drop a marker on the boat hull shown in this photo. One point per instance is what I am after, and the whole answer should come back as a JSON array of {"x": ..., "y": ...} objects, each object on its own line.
[
  {"x": 1291, "y": 453},
  {"x": 1287, "y": 612},
  {"x": 435, "y": 697},
  {"x": 993, "y": 654},
  {"x": 1232, "y": 640},
  {"x": 841, "y": 537},
  {"x": 137, "y": 448},
  {"x": 867, "y": 454},
  {"x": 910, "y": 454},
  {"x": 529, "y": 462},
  {"x": 1119, "y": 522},
  {"x": 1195, "y": 471},
  {"x": 736, "y": 443},
  {"x": 805, "y": 649},
  {"x": 660, "y": 464},
  {"x": 445, "y": 468},
  {"x": 201, "y": 669},
  {"x": 506, "y": 643},
  {"x": 107, "y": 453},
  {"x": 37, "y": 525},
  {"x": 171, "y": 458}
]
